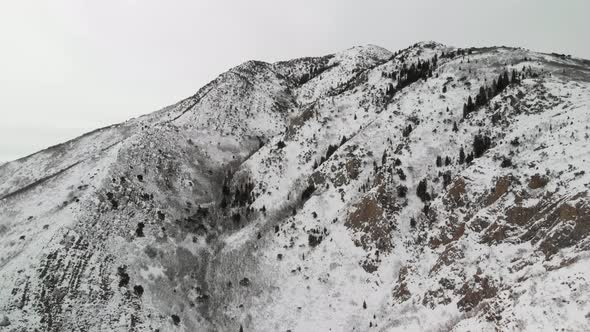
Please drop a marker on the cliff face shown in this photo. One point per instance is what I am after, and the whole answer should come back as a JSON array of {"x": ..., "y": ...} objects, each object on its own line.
[{"x": 432, "y": 188}]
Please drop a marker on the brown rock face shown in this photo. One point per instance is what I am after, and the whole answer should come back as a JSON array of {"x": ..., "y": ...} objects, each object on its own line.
[
  {"x": 475, "y": 292},
  {"x": 502, "y": 186},
  {"x": 537, "y": 181},
  {"x": 367, "y": 220},
  {"x": 519, "y": 215},
  {"x": 401, "y": 292},
  {"x": 457, "y": 190},
  {"x": 569, "y": 225}
]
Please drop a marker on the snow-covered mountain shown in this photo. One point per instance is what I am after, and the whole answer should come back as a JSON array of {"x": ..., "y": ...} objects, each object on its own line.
[{"x": 430, "y": 189}]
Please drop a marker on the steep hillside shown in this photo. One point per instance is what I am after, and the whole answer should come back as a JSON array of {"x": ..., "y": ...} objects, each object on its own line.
[{"x": 430, "y": 189}]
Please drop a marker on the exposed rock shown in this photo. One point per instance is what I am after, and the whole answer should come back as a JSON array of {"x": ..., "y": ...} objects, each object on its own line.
[
  {"x": 4, "y": 321},
  {"x": 537, "y": 181}
]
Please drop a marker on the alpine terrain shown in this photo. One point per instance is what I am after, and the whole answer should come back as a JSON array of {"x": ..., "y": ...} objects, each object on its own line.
[{"x": 429, "y": 189}]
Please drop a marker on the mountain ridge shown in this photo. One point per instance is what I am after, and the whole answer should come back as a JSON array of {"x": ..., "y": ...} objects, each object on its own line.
[{"x": 307, "y": 194}]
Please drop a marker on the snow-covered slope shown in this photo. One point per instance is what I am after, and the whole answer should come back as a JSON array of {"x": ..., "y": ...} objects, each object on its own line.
[{"x": 350, "y": 192}]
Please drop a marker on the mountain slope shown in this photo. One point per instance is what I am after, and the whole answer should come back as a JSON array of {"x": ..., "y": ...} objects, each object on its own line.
[{"x": 307, "y": 195}]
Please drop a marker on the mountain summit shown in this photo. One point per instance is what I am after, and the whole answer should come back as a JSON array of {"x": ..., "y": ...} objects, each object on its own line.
[{"x": 431, "y": 189}]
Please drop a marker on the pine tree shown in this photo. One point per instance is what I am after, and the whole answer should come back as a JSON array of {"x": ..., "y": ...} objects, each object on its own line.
[
  {"x": 402, "y": 191},
  {"x": 446, "y": 179},
  {"x": 406, "y": 132},
  {"x": 514, "y": 77},
  {"x": 421, "y": 191},
  {"x": 438, "y": 161},
  {"x": 461, "y": 156},
  {"x": 480, "y": 145},
  {"x": 506, "y": 81},
  {"x": 470, "y": 105},
  {"x": 455, "y": 128},
  {"x": 481, "y": 98},
  {"x": 364, "y": 305},
  {"x": 499, "y": 84}
]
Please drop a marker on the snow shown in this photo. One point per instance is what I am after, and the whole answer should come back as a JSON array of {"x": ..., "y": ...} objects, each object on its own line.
[{"x": 194, "y": 264}]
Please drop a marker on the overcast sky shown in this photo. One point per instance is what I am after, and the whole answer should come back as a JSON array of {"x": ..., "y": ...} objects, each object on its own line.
[{"x": 69, "y": 66}]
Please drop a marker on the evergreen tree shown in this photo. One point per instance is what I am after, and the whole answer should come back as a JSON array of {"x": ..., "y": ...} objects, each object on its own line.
[
  {"x": 514, "y": 77},
  {"x": 421, "y": 191},
  {"x": 446, "y": 179},
  {"x": 455, "y": 129},
  {"x": 499, "y": 84},
  {"x": 470, "y": 105},
  {"x": 406, "y": 132},
  {"x": 402, "y": 191},
  {"x": 401, "y": 174},
  {"x": 461, "y": 156},
  {"x": 481, "y": 98},
  {"x": 438, "y": 161},
  {"x": 480, "y": 145}
]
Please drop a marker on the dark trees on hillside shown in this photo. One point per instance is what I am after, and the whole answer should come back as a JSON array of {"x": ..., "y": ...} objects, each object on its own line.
[
  {"x": 485, "y": 94},
  {"x": 422, "y": 191},
  {"x": 514, "y": 79},
  {"x": 390, "y": 90},
  {"x": 406, "y": 132},
  {"x": 307, "y": 192},
  {"x": 461, "y": 156},
  {"x": 402, "y": 191},
  {"x": 446, "y": 179},
  {"x": 480, "y": 145},
  {"x": 421, "y": 70},
  {"x": 401, "y": 174},
  {"x": 482, "y": 97}
]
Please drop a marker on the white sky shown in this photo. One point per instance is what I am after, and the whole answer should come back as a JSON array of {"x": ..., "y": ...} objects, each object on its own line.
[{"x": 70, "y": 66}]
